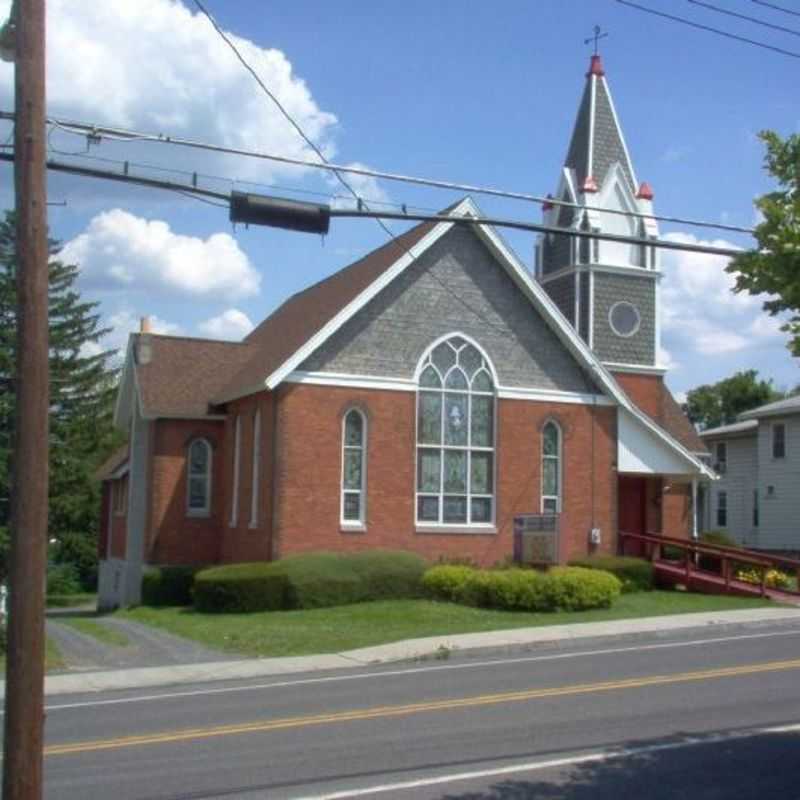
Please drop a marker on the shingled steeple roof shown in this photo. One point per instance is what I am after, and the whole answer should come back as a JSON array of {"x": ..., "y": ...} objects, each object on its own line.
[{"x": 597, "y": 142}]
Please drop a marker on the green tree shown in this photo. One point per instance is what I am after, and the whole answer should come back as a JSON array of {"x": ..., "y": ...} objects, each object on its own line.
[
  {"x": 774, "y": 266},
  {"x": 715, "y": 404},
  {"x": 82, "y": 385}
]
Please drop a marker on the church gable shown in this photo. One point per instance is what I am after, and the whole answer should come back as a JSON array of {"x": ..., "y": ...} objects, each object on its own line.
[{"x": 455, "y": 285}]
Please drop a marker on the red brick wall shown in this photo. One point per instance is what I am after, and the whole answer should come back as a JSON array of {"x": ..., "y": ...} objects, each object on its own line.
[
  {"x": 112, "y": 540},
  {"x": 172, "y": 536},
  {"x": 644, "y": 390},
  {"x": 308, "y": 469},
  {"x": 119, "y": 525},
  {"x": 241, "y": 542},
  {"x": 676, "y": 510}
]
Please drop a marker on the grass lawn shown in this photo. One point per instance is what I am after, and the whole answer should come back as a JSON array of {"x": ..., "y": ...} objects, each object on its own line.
[
  {"x": 69, "y": 600},
  {"x": 96, "y": 631},
  {"x": 328, "y": 630}
]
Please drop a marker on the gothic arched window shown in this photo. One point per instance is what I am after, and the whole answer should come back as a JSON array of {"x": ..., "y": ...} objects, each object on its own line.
[
  {"x": 551, "y": 468},
  {"x": 455, "y": 436}
]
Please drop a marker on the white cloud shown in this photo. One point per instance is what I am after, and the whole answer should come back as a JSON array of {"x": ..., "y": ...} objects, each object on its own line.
[
  {"x": 156, "y": 65},
  {"x": 231, "y": 324},
  {"x": 666, "y": 360},
  {"x": 121, "y": 251}
]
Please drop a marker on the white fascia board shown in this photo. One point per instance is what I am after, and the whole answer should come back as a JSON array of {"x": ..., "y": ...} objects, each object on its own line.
[
  {"x": 122, "y": 405},
  {"x": 639, "y": 369},
  {"x": 592, "y": 106},
  {"x": 408, "y": 385},
  {"x": 619, "y": 130},
  {"x": 463, "y": 209}
]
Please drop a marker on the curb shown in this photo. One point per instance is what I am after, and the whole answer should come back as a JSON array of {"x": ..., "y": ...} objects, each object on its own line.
[{"x": 410, "y": 649}]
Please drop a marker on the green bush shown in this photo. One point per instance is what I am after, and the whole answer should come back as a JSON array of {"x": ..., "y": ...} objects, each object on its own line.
[
  {"x": 578, "y": 589},
  {"x": 80, "y": 550},
  {"x": 241, "y": 587},
  {"x": 713, "y": 563},
  {"x": 63, "y": 579},
  {"x": 168, "y": 586},
  {"x": 311, "y": 580},
  {"x": 635, "y": 574},
  {"x": 564, "y": 588},
  {"x": 446, "y": 582}
]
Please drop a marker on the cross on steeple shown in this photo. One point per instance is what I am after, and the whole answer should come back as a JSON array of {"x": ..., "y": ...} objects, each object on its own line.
[{"x": 598, "y": 34}]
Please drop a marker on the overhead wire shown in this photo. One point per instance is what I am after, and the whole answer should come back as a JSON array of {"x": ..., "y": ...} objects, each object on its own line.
[
  {"x": 78, "y": 128},
  {"x": 776, "y": 7},
  {"x": 708, "y": 28},
  {"x": 406, "y": 216},
  {"x": 747, "y": 17}
]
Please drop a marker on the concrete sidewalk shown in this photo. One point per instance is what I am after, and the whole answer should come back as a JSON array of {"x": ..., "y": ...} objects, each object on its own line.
[{"x": 403, "y": 651}]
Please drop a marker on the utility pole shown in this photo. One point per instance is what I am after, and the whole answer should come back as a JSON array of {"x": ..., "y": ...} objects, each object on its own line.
[{"x": 24, "y": 717}]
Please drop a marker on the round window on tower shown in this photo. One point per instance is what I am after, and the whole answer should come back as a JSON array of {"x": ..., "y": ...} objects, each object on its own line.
[{"x": 624, "y": 318}]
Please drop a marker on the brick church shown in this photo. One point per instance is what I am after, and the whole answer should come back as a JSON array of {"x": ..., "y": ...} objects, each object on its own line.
[{"x": 420, "y": 398}]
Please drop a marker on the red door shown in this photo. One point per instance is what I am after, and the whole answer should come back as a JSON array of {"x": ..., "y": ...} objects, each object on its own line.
[{"x": 632, "y": 512}]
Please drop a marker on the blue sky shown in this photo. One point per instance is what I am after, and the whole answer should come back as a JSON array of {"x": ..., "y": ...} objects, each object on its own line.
[{"x": 476, "y": 93}]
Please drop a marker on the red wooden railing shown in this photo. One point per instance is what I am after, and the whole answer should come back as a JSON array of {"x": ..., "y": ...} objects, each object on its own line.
[{"x": 729, "y": 558}]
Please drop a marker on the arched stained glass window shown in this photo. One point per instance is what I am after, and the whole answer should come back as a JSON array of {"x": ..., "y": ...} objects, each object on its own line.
[
  {"x": 198, "y": 479},
  {"x": 551, "y": 469},
  {"x": 455, "y": 436},
  {"x": 354, "y": 479}
]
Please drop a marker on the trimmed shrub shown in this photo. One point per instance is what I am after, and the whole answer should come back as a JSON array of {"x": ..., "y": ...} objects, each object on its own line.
[
  {"x": 241, "y": 587},
  {"x": 578, "y": 588},
  {"x": 63, "y": 579},
  {"x": 311, "y": 580},
  {"x": 565, "y": 588},
  {"x": 635, "y": 574},
  {"x": 446, "y": 582},
  {"x": 168, "y": 586}
]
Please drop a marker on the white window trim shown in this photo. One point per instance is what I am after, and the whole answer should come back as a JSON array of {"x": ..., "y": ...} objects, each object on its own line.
[
  {"x": 560, "y": 462},
  {"x": 254, "y": 489},
  {"x": 772, "y": 428},
  {"x": 205, "y": 511},
  {"x": 429, "y": 526},
  {"x": 237, "y": 441},
  {"x": 360, "y": 523}
]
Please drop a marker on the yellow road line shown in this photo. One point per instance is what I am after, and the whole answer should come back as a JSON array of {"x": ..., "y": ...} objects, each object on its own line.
[{"x": 377, "y": 712}]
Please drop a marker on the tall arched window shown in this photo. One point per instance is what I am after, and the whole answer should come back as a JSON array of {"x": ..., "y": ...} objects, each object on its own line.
[
  {"x": 551, "y": 469},
  {"x": 455, "y": 436},
  {"x": 354, "y": 473},
  {"x": 198, "y": 479}
]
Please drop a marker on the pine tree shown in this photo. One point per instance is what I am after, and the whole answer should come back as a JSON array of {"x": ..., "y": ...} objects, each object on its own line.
[{"x": 82, "y": 385}]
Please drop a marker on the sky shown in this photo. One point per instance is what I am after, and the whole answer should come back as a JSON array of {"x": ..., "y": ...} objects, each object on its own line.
[{"x": 477, "y": 93}]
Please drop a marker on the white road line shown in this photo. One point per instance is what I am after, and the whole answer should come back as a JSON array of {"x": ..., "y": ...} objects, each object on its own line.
[
  {"x": 416, "y": 670},
  {"x": 535, "y": 766}
]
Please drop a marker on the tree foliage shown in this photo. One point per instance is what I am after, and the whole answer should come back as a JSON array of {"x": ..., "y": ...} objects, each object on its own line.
[
  {"x": 82, "y": 385},
  {"x": 715, "y": 404},
  {"x": 774, "y": 267}
]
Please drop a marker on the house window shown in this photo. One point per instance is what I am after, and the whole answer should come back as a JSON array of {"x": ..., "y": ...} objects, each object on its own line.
[
  {"x": 256, "y": 463},
  {"x": 755, "y": 508},
  {"x": 237, "y": 443},
  {"x": 551, "y": 468},
  {"x": 722, "y": 509},
  {"x": 119, "y": 495},
  {"x": 722, "y": 458},
  {"x": 779, "y": 440},
  {"x": 354, "y": 479},
  {"x": 198, "y": 499},
  {"x": 455, "y": 437}
]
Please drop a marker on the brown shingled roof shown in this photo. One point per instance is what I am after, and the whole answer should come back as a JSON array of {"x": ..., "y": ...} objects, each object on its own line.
[
  {"x": 179, "y": 375},
  {"x": 112, "y": 463},
  {"x": 677, "y": 424},
  {"x": 290, "y": 326}
]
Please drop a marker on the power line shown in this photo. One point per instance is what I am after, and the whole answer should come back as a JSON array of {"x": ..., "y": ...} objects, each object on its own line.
[
  {"x": 746, "y": 17},
  {"x": 777, "y": 8},
  {"x": 708, "y": 28},
  {"x": 121, "y": 134},
  {"x": 497, "y": 222}
]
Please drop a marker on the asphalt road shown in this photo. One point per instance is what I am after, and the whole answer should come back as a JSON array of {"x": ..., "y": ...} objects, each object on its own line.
[{"x": 711, "y": 714}]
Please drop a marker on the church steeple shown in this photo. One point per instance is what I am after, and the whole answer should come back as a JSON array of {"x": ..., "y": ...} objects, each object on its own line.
[{"x": 606, "y": 289}]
